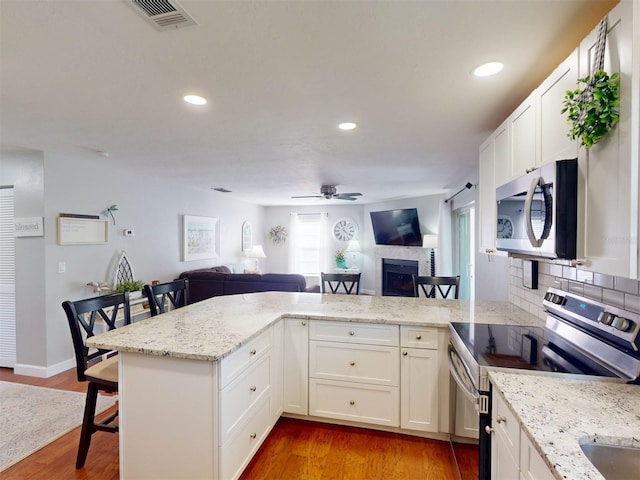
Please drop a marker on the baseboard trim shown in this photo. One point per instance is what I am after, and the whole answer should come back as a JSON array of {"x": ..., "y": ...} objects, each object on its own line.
[{"x": 43, "y": 372}]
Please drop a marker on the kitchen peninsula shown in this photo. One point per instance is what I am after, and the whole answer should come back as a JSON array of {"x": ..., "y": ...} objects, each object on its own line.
[{"x": 202, "y": 386}]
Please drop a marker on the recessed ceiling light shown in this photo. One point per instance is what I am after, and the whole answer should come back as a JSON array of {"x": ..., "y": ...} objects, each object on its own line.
[
  {"x": 195, "y": 99},
  {"x": 488, "y": 69},
  {"x": 347, "y": 126}
]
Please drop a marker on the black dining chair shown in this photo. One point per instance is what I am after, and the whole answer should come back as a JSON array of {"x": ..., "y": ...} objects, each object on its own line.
[
  {"x": 171, "y": 294},
  {"x": 430, "y": 286},
  {"x": 97, "y": 367},
  {"x": 350, "y": 283}
]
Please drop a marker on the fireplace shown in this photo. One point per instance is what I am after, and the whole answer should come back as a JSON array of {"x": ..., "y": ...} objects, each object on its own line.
[{"x": 397, "y": 277}]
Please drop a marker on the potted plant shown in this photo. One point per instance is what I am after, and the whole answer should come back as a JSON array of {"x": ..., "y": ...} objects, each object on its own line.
[
  {"x": 340, "y": 260},
  {"x": 593, "y": 110},
  {"x": 134, "y": 288}
]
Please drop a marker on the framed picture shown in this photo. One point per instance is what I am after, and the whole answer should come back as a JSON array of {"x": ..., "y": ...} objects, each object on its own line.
[
  {"x": 200, "y": 238},
  {"x": 82, "y": 231},
  {"x": 247, "y": 241}
]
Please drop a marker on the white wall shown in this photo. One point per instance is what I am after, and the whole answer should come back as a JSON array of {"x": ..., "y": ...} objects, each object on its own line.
[{"x": 87, "y": 184}]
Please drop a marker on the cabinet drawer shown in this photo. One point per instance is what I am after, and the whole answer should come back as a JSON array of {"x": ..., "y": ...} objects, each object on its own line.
[
  {"x": 237, "y": 452},
  {"x": 235, "y": 363},
  {"x": 419, "y": 337},
  {"x": 238, "y": 397},
  {"x": 505, "y": 425},
  {"x": 372, "y": 334},
  {"x": 374, "y": 404},
  {"x": 375, "y": 364}
]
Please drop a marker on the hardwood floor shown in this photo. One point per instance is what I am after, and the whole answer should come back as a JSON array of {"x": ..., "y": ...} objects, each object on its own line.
[{"x": 295, "y": 449}]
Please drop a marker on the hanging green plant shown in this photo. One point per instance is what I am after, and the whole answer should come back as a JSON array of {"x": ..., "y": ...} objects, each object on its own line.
[{"x": 593, "y": 110}]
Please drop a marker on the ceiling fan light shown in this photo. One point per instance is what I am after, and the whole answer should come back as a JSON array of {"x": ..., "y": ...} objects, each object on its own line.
[
  {"x": 347, "y": 126},
  {"x": 488, "y": 69}
]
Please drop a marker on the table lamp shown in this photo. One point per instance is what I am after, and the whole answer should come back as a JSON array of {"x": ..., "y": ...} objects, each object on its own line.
[
  {"x": 256, "y": 252},
  {"x": 353, "y": 248}
]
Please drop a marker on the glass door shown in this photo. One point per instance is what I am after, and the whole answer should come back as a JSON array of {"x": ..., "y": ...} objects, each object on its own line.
[{"x": 465, "y": 254}]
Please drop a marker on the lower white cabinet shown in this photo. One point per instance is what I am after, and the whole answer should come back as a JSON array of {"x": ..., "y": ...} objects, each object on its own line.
[
  {"x": 354, "y": 372},
  {"x": 513, "y": 455},
  {"x": 419, "y": 370},
  {"x": 295, "y": 366}
]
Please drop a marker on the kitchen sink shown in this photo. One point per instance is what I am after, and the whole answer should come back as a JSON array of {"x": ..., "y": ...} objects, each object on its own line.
[{"x": 615, "y": 458}]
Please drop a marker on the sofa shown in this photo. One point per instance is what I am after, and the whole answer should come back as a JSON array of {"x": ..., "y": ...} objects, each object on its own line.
[{"x": 216, "y": 281}]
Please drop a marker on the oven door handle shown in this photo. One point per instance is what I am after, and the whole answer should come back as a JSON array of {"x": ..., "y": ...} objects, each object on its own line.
[{"x": 473, "y": 394}]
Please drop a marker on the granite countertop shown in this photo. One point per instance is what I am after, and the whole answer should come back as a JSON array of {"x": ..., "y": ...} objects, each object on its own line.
[
  {"x": 213, "y": 328},
  {"x": 557, "y": 411}
]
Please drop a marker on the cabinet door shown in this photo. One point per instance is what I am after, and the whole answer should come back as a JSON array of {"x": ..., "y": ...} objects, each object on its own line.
[
  {"x": 503, "y": 465},
  {"x": 277, "y": 354},
  {"x": 553, "y": 141},
  {"x": 505, "y": 440},
  {"x": 608, "y": 239},
  {"x": 502, "y": 167},
  {"x": 523, "y": 137},
  {"x": 487, "y": 199},
  {"x": 419, "y": 389},
  {"x": 296, "y": 366},
  {"x": 532, "y": 466}
]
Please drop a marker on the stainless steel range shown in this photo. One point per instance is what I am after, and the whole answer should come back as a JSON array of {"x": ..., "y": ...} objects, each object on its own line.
[{"x": 580, "y": 336}]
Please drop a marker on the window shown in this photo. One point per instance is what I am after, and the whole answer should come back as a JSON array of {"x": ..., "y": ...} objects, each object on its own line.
[{"x": 307, "y": 243}]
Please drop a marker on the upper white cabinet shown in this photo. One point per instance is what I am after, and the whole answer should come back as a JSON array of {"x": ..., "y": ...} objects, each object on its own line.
[
  {"x": 607, "y": 212},
  {"x": 493, "y": 158},
  {"x": 552, "y": 127},
  {"x": 522, "y": 124}
]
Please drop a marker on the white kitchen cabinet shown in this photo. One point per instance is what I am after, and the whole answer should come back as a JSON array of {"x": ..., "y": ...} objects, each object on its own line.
[
  {"x": 608, "y": 211},
  {"x": 502, "y": 164},
  {"x": 354, "y": 372},
  {"x": 419, "y": 378},
  {"x": 296, "y": 366},
  {"x": 277, "y": 357},
  {"x": 513, "y": 455},
  {"x": 494, "y": 151},
  {"x": 532, "y": 466},
  {"x": 522, "y": 126},
  {"x": 552, "y": 127}
]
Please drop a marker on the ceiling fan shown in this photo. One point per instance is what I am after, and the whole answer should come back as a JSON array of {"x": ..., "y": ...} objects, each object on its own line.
[{"x": 329, "y": 191}]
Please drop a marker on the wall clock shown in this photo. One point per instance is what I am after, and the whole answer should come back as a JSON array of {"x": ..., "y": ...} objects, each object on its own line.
[
  {"x": 345, "y": 229},
  {"x": 505, "y": 227}
]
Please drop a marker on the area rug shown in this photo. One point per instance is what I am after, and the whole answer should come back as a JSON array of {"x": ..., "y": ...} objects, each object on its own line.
[{"x": 32, "y": 417}]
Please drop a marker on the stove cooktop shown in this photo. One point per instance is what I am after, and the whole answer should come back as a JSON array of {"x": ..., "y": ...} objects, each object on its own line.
[{"x": 504, "y": 346}]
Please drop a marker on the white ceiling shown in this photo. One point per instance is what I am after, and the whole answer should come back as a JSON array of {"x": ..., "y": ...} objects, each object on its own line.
[{"x": 78, "y": 77}]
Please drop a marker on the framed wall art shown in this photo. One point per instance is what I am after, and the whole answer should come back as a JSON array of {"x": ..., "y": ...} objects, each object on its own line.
[
  {"x": 82, "y": 231},
  {"x": 200, "y": 238}
]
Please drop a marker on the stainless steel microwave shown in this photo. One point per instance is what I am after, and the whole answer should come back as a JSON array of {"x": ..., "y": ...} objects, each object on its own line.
[{"x": 538, "y": 212}]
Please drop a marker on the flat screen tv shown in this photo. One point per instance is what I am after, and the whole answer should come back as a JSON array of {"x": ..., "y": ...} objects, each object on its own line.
[{"x": 397, "y": 227}]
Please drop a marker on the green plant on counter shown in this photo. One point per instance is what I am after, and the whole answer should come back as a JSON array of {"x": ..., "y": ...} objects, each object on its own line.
[
  {"x": 133, "y": 286},
  {"x": 594, "y": 109}
]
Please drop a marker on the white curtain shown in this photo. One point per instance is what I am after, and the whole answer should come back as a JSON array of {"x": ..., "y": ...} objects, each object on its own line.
[
  {"x": 294, "y": 241},
  {"x": 444, "y": 260}
]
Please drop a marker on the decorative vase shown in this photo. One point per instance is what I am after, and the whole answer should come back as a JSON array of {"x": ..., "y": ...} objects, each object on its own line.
[{"x": 340, "y": 263}]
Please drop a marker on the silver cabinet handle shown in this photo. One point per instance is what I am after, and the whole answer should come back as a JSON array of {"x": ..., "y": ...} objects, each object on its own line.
[
  {"x": 352, "y": 402},
  {"x": 405, "y": 353},
  {"x": 304, "y": 324},
  {"x": 418, "y": 337},
  {"x": 253, "y": 351},
  {"x": 501, "y": 419},
  {"x": 352, "y": 333},
  {"x": 253, "y": 436},
  {"x": 252, "y": 388},
  {"x": 353, "y": 364},
  {"x": 488, "y": 429}
]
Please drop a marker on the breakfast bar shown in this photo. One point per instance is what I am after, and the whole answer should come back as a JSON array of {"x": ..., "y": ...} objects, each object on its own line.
[{"x": 202, "y": 386}]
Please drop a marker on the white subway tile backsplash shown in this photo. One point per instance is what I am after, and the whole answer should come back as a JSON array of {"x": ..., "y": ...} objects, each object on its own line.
[
  {"x": 516, "y": 262},
  {"x": 576, "y": 287},
  {"x": 632, "y": 302},
  {"x": 584, "y": 276},
  {"x": 569, "y": 273},
  {"x": 625, "y": 285},
  {"x": 555, "y": 270},
  {"x": 613, "y": 297},
  {"x": 544, "y": 268},
  {"x": 602, "y": 280},
  {"x": 593, "y": 292}
]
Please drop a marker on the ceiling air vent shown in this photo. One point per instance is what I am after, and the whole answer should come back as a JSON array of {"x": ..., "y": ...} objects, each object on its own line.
[{"x": 163, "y": 14}]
